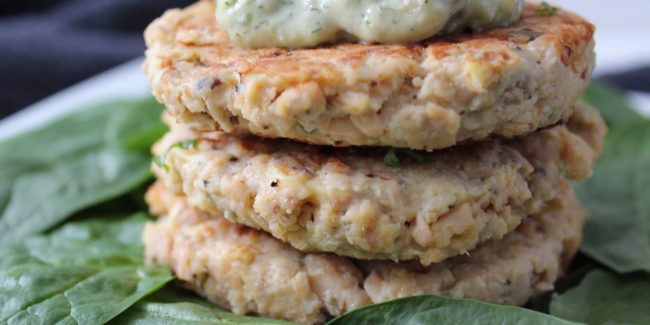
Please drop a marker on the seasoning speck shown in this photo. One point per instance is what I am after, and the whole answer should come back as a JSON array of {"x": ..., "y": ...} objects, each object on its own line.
[{"x": 215, "y": 83}]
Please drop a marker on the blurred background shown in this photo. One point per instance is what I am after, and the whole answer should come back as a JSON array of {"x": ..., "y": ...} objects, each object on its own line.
[{"x": 48, "y": 45}]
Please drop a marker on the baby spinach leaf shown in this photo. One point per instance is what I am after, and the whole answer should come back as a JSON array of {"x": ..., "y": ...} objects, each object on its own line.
[
  {"x": 618, "y": 231},
  {"x": 40, "y": 199},
  {"x": 618, "y": 195},
  {"x": 611, "y": 102},
  {"x": 606, "y": 298},
  {"x": 171, "y": 305},
  {"x": 580, "y": 267},
  {"x": 432, "y": 309},
  {"x": 118, "y": 123},
  {"x": 136, "y": 127},
  {"x": 83, "y": 159},
  {"x": 83, "y": 273}
]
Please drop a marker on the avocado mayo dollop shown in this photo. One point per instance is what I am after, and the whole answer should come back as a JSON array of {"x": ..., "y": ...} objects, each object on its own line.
[{"x": 306, "y": 23}]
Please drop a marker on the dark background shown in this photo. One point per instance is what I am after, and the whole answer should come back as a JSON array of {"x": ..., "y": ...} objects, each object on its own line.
[{"x": 48, "y": 45}]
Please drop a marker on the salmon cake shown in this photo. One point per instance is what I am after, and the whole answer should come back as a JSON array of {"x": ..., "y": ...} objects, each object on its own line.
[
  {"x": 499, "y": 82},
  {"x": 348, "y": 201},
  {"x": 250, "y": 272}
]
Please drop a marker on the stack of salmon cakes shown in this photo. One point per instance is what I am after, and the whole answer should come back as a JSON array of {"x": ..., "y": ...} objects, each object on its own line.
[{"x": 304, "y": 177}]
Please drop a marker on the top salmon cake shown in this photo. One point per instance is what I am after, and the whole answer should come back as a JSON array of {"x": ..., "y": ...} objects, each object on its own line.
[{"x": 501, "y": 82}]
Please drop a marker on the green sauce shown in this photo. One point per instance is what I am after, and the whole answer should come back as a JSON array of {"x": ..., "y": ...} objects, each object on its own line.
[{"x": 307, "y": 23}]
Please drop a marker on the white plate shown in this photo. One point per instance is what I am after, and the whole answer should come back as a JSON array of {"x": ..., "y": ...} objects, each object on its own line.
[{"x": 126, "y": 81}]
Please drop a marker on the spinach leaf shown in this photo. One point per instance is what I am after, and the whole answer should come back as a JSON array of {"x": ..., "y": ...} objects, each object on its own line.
[
  {"x": 618, "y": 231},
  {"x": 86, "y": 158},
  {"x": 85, "y": 272},
  {"x": 174, "y": 306},
  {"x": 618, "y": 194},
  {"x": 611, "y": 102},
  {"x": 605, "y": 298},
  {"x": 40, "y": 199},
  {"x": 581, "y": 266},
  {"x": 442, "y": 310},
  {"x": 136, "y": 126},
  {"x": 122, "y": 123}
]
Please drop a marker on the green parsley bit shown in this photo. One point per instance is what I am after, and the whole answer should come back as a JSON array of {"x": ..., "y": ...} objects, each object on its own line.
[
  {"x": 391, "y": 159},
  {"x": 421, "y": 158},
  {"x": 160, "y": 159},
  {"x": 187, "y": 144},
  {"x": 546, "y": 9}
]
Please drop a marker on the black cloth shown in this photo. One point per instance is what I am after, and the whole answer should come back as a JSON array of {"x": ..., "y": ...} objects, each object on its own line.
[
  {"x": 48, "y": 45},
  {"x": 636, "y": 79}
]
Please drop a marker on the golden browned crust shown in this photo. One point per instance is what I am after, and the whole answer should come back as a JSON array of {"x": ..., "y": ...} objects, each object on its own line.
[
  {"x": 249, "y": 271},
  {"x": 349, "y": 202},
  {"x": 502, "y": 82}
]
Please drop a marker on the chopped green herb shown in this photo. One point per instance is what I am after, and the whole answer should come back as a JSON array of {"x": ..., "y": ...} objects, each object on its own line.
[
  {"x": 546, "y": 9},
  {"x": 188, "y": 144},
  {"x": 264, "y": 22},
  {"x": 421, "y": 158},
  {"x": 391, "y": 159},
  {"x": 247, "y": 18},
  {"x": 316, "y": 30},
  {"x": 160, "y": 159}
]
